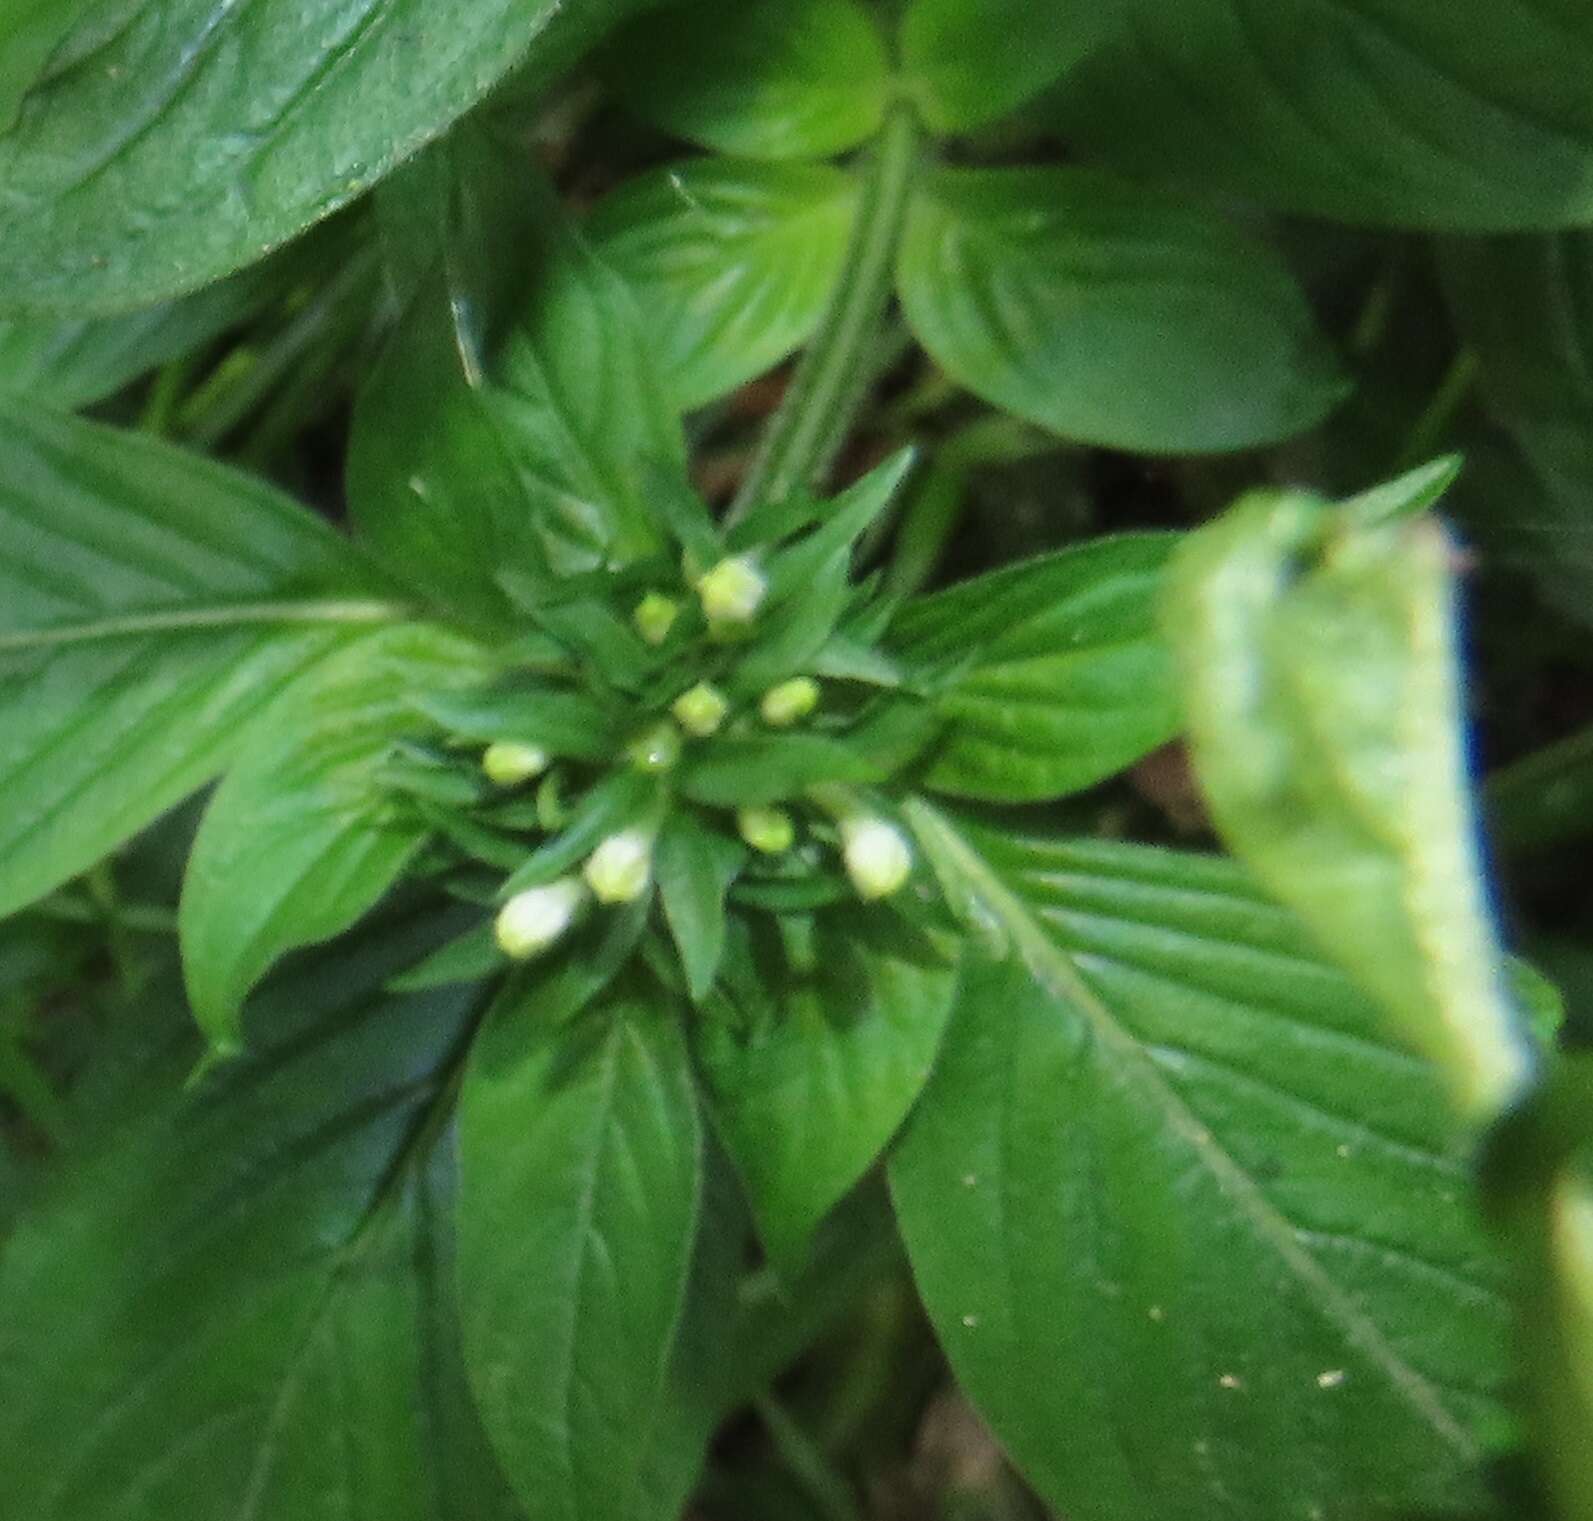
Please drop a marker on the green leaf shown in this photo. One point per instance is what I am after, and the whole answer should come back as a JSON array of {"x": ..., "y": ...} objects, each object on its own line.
[
  {"x": 733, "y": 261},
  {"x": 764, "y": 78},
  {"x": 559, "y": 721},
  {"x": 1464, "y": 115},
  {"x": 1111, "y": 313},
  {"x": 301, "y": 105},
  {"x": 966, "y": 65},
  {"x": 767, "y": 768},
  {"x": 1546, "y": 798},
  {"x": 1060, "y": 675},
  {"x": 815, "y": 1049},
  {"x": 30, "y": 32},
  {"x": 531, "y": 456},
  {"x": 695, "y": 866},
  {"x": 1193, "y": 1233},
  {"x": 1321, "y": 682},
  {"x": 242, "y": 1304},
  {"x": 151, "y": 605},
  {"x": 581, "y": 1166},
  {"x": 300, "y": 840}
]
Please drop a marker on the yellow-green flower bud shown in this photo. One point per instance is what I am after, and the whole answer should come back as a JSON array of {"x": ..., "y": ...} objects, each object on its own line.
[
  {"x": 531, "y": 921},
  {"x": 656, "y": 750},
  {"x": 508, "y": 763},
  {"x": 733, "y": 591},
  {"x": 701, "y": 710},
  {"x": 769, "y": 830},
  {"x": 654, "y": 617},
  {"x": 878, "y": 857},
  {"x": 619, "y": 870},
  {"x": 790, "y": 702}
]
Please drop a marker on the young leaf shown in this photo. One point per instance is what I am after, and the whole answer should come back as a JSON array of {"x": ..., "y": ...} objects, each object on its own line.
[
  {"x": 1060, "y": 675},
  {"x": 581, "y": 1164},
  {"x": 151, "y": 605},
  {"x": 558, "y": 721},
  {"x": 970, "y": 64},
  {"x": 767, "y": 768},
  {"x": 1192, "y": 1231},
  {"x": 303, "y": 106},
  {"x": 1468, "y": 115},
  {"x": 1321, "y": 683},
  {"x": 815, "y": 1054},
  {"x": 765, "y": 78},
  {"x": 243, "y": 1303},
  {"x": 530, "y": 458},
  {"x": 733, "y": 261},
  {"x": 300, "y": 840},
  {"x": 695, "y": 867},
  {"x": 1111, "y": 313}
]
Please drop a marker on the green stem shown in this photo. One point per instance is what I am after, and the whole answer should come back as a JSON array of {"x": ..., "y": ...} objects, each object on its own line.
[{"x": 835, "y": 373}]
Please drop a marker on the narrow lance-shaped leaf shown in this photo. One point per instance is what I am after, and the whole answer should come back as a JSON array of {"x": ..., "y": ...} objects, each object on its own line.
[
  {"x": 1321, "y": 682},
  {"x": 242, "y": 1303},
  {"x": 300, "y": 839},
  {"x": 301, "y": 105},
  {"x": 151, "y": 605},
  {"x": 1054, "y": 673},
  {"x": 1195, "y": 1233},
  {"x": 581, "y": 1155}
]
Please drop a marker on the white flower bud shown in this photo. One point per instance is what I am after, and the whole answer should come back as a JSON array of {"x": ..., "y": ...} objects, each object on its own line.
[
  {"x": 878, "y": 857},
  {"x": 733, "y": 591},
  {"x": 790, "y": 702},
  {"x": 701, "y": 710},
  {"x": 531, "y": 921},
  {"x": 508, "y": 763},
  {"x": 619, "y": 870}
]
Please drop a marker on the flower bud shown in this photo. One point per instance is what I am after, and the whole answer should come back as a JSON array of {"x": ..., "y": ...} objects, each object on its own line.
[
  {"x": 790, "y": 702},
  {"x": 654, "y": 617},
  {"x": 733, "y": 591},
  {"x": 508, "y": 763},
  {"x": 878, "y": 857},
  {"x": 656, "y": 750},
  {"x": 701, "y": 710},
  {"x": 769, "y": 830},
  {"x": 619, "y": 870},
  {"x": 531, "y": 921}
]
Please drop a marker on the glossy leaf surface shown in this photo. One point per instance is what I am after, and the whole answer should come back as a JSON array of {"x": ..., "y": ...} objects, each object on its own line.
[
  {"x": 1111, "y": 313},
  {"x": 151, "y": 605},
  {"x": 188, "y": 137},
  {"x": 765, "y": 78},
  {"x": 1193, "y": 1232},
  {"x": 582, "y": 1178},
  {"x": 1320, "y": 676},
  {"x": 1057, "y": 674},
  {"x": 814, "y": 1051},
  {"x": 1464, "y": 114},
  {"x": 732, "y": 260}
]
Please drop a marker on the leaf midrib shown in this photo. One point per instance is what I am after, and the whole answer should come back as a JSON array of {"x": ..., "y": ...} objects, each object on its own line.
[
  {"x": 196, "y": 618},
  {"x": 1055, "y": 969}
]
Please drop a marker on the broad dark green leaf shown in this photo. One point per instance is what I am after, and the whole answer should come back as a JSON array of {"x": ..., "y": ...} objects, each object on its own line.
[
  {"x": 747, "y": 772},
  {"x": 967, "y": 64},
  {"x": 532, "y": 456},
  {"x": 1195, "y": 1235},
  {"x": 151, "y": 605},
  {"x": 299, "y": 840},
  {"x": 815, "y": 1049},
  {"x": 242, "y": 1304},
  {"x": 30, "y": 32},
  {"x": 767, "y": 78},
  {"x": 1524, "y": 305},
  {"x": 1060, "y": 675},
  {"x": 1463, "y": 114},
  {"x": 581, "y": 1180},
  {"x": 733, "y": 262},
  {"x": 1111, "y": 313},
  {"x": 193, "y": 136},
  {"x": 1320, "y": 677}
]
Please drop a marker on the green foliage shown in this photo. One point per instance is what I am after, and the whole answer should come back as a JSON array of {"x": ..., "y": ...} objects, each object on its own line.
[{"x": 631, "y": 1084}]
